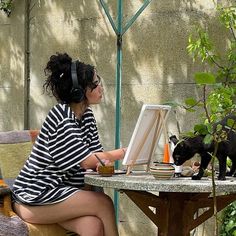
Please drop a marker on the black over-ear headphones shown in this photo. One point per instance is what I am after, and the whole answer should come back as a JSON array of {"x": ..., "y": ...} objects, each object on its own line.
[{"x": 77, "y": 92}]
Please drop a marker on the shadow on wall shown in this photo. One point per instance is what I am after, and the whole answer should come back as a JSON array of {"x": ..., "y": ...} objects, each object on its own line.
[
  {"x": 11, "y": 81},
  {"x": 156, "y": 67}
]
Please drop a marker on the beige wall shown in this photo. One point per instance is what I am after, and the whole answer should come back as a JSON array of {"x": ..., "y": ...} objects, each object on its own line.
[{"x": 156, "y": 67}]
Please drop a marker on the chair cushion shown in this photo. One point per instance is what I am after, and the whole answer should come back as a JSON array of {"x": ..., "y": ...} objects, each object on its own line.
[
  {"x": 18, "y": 136},
  {"x": 13, "y": 157},
  {"x": 15, "y": 147}
]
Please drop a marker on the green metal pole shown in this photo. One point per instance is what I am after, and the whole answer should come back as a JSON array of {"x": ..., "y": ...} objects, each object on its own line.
[
  {"x": 104, "y": 5},
  {"x": 118, "y": 93},
  {"x": 118, "y": 73},
  {"x": 135, "y": 16},
  {"x": 119, "y": 33}
]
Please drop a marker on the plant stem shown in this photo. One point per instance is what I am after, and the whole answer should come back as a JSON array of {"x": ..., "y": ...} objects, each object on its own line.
[
  {"x": 214, "y": 187},
  {"x": 204, "y": 104}
]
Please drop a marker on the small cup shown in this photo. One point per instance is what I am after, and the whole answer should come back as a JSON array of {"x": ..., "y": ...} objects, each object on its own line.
[{"x": 106, "y": 171}]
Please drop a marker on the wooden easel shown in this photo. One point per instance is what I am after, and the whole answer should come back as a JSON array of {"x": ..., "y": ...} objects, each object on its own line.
[{"x": 157, "y": 123}]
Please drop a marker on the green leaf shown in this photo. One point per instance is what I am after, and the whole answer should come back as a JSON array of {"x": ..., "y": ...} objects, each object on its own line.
[
  {"x": 208, "y": 139},
  {"x": 6, "y": 6},
  {"x": 228, "y": 162},
  {"x": 202, "y": 78},
  {"x": 230, "y": 225},
  {"x": 190, "y": 102},
  {"x": 231, "y": 123},
  {"x": 218, "y": 127},
  {"x": 233, "y": 213},
  {"x": 201, "y": 129},
  {"x": 209, "y": 128},
  {"x": 190, "y": 110}
]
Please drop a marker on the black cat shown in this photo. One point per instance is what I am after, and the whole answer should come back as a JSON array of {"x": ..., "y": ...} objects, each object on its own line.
[{"x": 187, "y": 148}]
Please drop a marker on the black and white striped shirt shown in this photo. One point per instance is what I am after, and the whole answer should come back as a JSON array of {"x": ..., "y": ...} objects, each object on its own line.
[{"x": 52, "y": 172}]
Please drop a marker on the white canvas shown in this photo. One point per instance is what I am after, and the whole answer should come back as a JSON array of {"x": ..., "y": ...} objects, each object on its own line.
[{"x": 146, "y": 134}]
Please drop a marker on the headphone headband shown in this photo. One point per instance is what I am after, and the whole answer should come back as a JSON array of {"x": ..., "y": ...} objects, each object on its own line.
[{"x": 74, "y": 76}]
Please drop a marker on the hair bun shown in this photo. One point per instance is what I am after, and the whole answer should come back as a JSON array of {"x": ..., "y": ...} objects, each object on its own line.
[{"x": 58, "y": 64}]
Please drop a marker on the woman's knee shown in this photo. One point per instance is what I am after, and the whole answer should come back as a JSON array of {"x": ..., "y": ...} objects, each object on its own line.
[
  {"x": 97, "y": 226},
  {"x": 105, "y": 199},
  {"x": 85, "y": 225}
]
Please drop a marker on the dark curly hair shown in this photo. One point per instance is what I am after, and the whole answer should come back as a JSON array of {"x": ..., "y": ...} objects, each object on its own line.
[{"x": 59, "y": 81}]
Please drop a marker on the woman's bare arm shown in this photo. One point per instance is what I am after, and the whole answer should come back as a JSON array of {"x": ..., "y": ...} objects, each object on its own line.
[{"x": 113, "y": 155}]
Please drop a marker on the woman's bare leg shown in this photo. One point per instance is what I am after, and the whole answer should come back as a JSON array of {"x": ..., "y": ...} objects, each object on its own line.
[
  {"x": 84, "y": 226},
  {"x": 82, "y": 203}
]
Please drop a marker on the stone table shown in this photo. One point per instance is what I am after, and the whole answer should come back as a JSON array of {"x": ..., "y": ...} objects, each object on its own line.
[{"x": 176, "y": 200}]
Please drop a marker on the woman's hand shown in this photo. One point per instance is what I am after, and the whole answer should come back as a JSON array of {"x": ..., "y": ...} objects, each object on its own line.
[
  {"x": 105, "y": 162},
  {"x": 124, "y": 151},
  {"x": 110, "y": 156}
]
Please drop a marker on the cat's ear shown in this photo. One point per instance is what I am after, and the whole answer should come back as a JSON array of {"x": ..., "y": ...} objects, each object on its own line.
[{"x": 174, "y": 139}]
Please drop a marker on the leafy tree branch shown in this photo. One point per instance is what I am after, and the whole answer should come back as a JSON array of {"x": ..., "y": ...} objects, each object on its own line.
[{"x": 6, "y": 6}]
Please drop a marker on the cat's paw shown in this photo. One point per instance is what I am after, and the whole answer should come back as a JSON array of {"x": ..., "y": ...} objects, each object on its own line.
[
  {"x": 221, "y": 178},
  {"x": 196, "y": 177}
]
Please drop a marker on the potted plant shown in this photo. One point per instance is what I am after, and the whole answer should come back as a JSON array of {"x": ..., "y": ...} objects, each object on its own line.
[{"x": 218, "y": 87}]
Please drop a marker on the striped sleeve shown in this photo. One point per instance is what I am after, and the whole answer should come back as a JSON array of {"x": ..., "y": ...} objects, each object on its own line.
[{"x": 65, "y": 142}]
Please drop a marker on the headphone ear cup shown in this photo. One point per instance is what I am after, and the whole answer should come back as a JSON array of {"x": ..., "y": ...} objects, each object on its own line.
[{"x": 77, "y": 94}]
